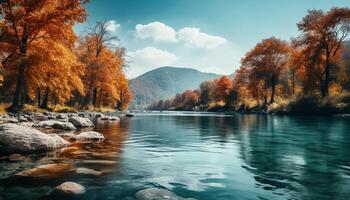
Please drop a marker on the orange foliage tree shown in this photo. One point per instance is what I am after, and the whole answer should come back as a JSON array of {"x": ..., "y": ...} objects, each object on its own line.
[
  {"x": 266, "y": 62},
  {"x": 104, "y": 79},
  {"x": 26, "y": 23},
  {"x": 223, "y": 89},
  {"x": 323, "y": 34}
]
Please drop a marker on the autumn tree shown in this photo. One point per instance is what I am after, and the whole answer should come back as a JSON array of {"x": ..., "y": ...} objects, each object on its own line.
[
  {"x": 97, "y": 44},
  {"x": 266, "y": 62},
  {"x": 323, "y": 34},
  {"x": 26, "y": 22},
  {"x": 223, "y": 89},
  {"x": 207, "y": 92}
]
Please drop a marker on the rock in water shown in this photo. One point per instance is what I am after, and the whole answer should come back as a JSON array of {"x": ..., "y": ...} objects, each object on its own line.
[
  {"x": 56, "y": 125},
  {"x": 87, "y": 171},
  {"x": 158, "y": 194},
  {"x": 16, "y": 157},
  {"x": 68, "y": 189},
  {"x": 47, "y": 171},
  {"x": 19, "y": 139},
  {"x": 81, "y": 121},
  {"x": 89, "y": 135}
]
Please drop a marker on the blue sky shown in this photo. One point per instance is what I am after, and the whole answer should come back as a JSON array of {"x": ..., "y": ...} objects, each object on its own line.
[{"x": 208, "y": 35}]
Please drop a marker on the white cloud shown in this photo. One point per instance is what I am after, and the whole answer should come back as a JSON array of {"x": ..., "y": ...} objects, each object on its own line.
[
  {"x": 112, "y": 26},
  {"x": 156, "y": 31},
  {"x": 194, "y": 36},
  {"x": 191, "y": 36},
  {"x": 149, "y": 58}
]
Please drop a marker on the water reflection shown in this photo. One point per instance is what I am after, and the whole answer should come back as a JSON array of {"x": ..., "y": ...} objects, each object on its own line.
[
  {"x": 301, "y": 156},
  {"x": 203, "y": 156}
]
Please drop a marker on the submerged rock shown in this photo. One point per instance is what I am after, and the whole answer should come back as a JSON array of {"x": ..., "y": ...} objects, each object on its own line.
[
  {"x": 68, "y": 188},
  {"x": 47, "y": 171},
  {"x": 87, "y": 171},
  {"x": 81, "y": 121},
  {"x": 158, "y": 194},
  {"x": 16, "y": 157},
  {"x": 19, "y": 139},
  {"x": 56, "y": 125},
  {"x": 68, "y": 150},
  {"x": 89, "y": 135}
]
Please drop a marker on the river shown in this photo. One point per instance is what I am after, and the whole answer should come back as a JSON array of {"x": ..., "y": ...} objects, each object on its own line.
[{"x": 203, "y": 156}]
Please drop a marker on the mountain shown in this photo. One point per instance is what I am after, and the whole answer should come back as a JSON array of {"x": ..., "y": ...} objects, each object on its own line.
[{"x": 163, "y": 83}]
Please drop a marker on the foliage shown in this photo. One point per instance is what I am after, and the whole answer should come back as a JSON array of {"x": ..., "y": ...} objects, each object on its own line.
[
  {"x": 309, "y": 74},
  {"x": 43, "y": 66}
]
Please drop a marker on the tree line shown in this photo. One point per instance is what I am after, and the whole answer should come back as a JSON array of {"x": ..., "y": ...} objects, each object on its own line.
[
  {"x": 315, "y": 64},
  {"x": 45, "y": 63}
]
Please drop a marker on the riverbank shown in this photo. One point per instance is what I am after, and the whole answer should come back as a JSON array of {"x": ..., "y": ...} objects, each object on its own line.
[
  {"x": 338, "y": 106},
  {"x": 27, "y": 132}
]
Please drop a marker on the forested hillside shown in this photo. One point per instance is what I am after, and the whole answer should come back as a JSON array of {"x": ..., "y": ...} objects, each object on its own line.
[{"x": 163, "y": 83}]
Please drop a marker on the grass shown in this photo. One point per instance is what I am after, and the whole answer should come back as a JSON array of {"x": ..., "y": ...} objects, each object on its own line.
[
  {"x": 31, "y": 108},
  {"x": 100, "y": 109},
  {"x": 3, "y": 107},
  {"x": 64, "y": 109}
]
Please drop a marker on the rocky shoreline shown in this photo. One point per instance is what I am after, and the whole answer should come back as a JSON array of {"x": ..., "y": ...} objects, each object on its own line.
[{"x": 24, "y": 133}]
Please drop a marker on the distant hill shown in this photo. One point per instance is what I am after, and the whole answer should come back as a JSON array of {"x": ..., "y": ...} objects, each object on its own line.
[{"x": 165, "y": 82}]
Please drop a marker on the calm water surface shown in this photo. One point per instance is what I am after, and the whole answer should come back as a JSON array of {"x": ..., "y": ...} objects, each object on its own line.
[{"x": 204, "y": 156}]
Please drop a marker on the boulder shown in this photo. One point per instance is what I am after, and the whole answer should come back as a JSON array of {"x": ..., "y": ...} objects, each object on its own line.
[
  {"x": 68, "y": 188},
  {"x": 58, "y": 140},
  {"x": 158, "y": 194},
  {"x": 19, "y": 139},
  {"x": 81, "y": 121},
  {"x": 56, "y": 125},
  {"x": 89, "y": 135}
]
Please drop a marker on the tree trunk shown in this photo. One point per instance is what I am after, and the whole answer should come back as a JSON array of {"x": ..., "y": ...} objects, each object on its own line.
[
  {"x": 293, "y": 82},
  {"x": 86, "y": 100},
  {"x": 45, "y": 101},
  {"x": 100, "y": 99},
  {"x": 94, "y": 97},
  {"x": 273, "y": 87},
  {"x": 16, "y": 103},
  {"x": 39, "y": 97},
  {"x": 257, "y": 99},
  {"x": 325, "y": 84}
]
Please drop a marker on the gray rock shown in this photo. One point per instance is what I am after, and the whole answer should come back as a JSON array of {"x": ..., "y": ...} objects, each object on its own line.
[
  {"x": 87, "y": 171},
  {"x": 81, "y": 121},
  {"x": 69, "y": 188},
  {"x": 26, "y": 124},
  {"x": 19, "y": 139},
  {"x": 158, "y": 194},
  {"x": 89, "y": 135},
  {"x": 22, "y": 119},
  {"x": 114, "y": 118},
  {"x": 55, "y": 124},
  {"x": 11, "y": 120},
  {"x": 62, "y": 116},
  {"x": 98, "y": 115},
  {"x": 51, "y": 117}
]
